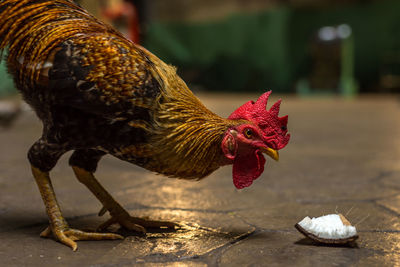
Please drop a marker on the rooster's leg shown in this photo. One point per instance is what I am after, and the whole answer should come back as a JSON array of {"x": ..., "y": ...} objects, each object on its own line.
[
  {"x": 84, "y": 169},
  {"x": 43, "y": 156},
  {"x": 58, "y": 226}
]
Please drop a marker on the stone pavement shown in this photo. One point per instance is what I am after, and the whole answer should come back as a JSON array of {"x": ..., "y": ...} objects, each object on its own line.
[{"x": 344, "y": 156}]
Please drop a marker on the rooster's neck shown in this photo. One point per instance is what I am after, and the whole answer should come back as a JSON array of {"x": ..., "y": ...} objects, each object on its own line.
[{"x": 188, "y": 136}]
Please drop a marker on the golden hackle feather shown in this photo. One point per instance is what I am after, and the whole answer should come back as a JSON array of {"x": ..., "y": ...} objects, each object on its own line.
[{"x": 188, "y": 143}]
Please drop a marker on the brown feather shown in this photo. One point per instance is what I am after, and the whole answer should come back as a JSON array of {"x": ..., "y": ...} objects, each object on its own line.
[
  {"x": 185, "y": 137},
  {"x": 32, "y": 30}
]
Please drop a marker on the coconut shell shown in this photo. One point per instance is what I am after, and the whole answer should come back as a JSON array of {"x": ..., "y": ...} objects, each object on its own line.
[{"x": 338, "y": 241}]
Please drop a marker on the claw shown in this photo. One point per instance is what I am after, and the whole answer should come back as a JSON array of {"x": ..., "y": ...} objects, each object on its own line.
[
  {"x": 102, "y": 211},
  {"x": 68, "y": 241},
  {"x": 46, "y": 232},
  {"x": 135, "y": 227}
]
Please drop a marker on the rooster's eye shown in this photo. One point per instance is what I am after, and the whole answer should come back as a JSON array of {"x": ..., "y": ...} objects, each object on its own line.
[
  {"x": 283, "y": 128},
  {"x": 248, "y": 133}
]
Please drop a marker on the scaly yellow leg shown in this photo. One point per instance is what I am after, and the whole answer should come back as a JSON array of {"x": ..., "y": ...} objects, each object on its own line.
[
  {"x": 118, "y": 213},
  {"x": 58, "y": 225}
]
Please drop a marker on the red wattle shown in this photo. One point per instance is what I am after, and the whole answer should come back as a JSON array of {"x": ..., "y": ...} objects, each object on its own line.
[{"x": 247, "y": 168}]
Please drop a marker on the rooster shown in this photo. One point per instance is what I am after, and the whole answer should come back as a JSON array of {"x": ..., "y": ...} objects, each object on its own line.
[{"x": 98, "y": 93}]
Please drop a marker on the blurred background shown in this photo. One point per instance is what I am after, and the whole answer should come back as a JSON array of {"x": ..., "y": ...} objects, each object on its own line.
[{"x": 306, "y": 47}]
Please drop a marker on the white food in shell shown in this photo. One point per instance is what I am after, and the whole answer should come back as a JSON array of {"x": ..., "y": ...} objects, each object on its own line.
[{"x": 328, "y": 227}]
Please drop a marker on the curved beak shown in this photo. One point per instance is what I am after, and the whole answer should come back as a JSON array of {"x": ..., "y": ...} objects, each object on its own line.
[{"x": 274, "y": 154}]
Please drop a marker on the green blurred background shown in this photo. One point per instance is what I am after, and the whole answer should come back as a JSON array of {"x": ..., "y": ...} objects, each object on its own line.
[{"x": 237, "y": 45}]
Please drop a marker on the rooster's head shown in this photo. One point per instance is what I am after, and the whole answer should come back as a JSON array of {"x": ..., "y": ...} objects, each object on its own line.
[{"x": 262, "y": 131}]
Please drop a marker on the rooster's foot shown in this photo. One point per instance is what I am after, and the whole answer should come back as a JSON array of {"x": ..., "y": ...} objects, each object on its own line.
[
  {"x": 136, "y": 224},
  {"x": 68, "y": 236}
]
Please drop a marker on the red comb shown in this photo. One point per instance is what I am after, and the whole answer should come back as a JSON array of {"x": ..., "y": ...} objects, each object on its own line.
[{"x": 267, "y": 120}]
